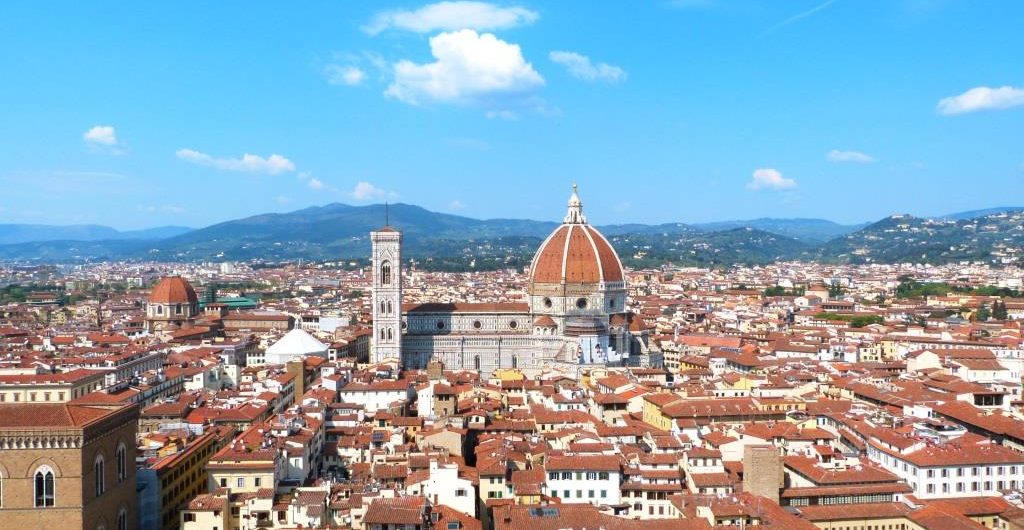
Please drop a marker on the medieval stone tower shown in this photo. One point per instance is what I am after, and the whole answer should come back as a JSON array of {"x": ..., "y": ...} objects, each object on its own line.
[{"x": 387, "y": 294}]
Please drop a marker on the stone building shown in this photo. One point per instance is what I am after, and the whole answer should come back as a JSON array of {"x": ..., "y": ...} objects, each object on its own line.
[
  {"x": 171, "y": 305},
  {"x": 575, "y": 313},
  {"x": 68, "y": 466}
]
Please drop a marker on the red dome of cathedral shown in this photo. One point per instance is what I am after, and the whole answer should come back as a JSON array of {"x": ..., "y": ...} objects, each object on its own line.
[
  {"x": 173, "y": 290},
  {"x": 576, "y": 252}
]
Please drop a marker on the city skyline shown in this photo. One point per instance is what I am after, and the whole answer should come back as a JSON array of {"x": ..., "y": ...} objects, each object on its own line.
[{"x": 150, "y": 115}]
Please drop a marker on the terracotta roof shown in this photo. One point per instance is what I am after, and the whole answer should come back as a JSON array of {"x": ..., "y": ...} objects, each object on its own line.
[
  {"x": 461, "y": 307},
  {"x": 173, "y": 290},
  {"x": 53, "y": 415},
  {"x": 398, "y": 510},
  {"x": 576, "y": 253}
]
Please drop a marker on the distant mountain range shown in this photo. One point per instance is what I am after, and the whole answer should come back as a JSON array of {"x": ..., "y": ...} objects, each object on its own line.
[
  {"x": 438, "y": 240},
  {"x": 24, "y": 233}
]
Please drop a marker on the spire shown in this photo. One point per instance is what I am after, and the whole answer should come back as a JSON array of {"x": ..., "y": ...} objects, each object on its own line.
[{"x": 575, "y": 214}]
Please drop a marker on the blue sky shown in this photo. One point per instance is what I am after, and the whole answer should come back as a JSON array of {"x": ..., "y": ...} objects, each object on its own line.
[{"x": 150, "y": 113}]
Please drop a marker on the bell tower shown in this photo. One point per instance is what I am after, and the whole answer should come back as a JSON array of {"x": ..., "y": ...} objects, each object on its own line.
[{"x": 387, "y": 294}]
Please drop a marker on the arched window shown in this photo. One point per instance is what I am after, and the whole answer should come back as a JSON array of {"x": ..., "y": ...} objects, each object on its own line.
[
  {"x": 390, "y": 335},
  {"x": 385, "y": 273},
  {"x": 390, "y": 308},
  {"x": 122, "y": 519},
  {"x": 383, "y": 307},
  {"x": 99, "y": 474},
  {"x": 382, "y": 335},
  {"x": 476, "y": 362},
  {"x": 515, "y": 362},
  {"x": 122, "y": 462},
  {"x": 43, "y": 487}
]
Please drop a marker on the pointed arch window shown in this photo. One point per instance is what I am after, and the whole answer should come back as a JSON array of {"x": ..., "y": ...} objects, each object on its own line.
[
  {"x": 43, "y": 485},
  {"x": 476, "y": 362},
  {"x": 390, "y": 307},
  {"x": 122, "y": 462},
  {"x": 122, "y": 519},
  {"x": 385, "y": 273},
  {"x": 100, "y": 475},
  {"x": 390, "y": 335}
]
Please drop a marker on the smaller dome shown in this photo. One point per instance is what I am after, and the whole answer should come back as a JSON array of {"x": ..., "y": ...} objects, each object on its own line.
[
  {"x": 545, "y": 321},
  {"x": 173, "y": 290}
]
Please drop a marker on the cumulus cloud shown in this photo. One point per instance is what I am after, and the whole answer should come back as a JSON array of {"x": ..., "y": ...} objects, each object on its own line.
[
  {"x": 364, "y": 191},
  {"x": 448, "y": 16},
  {"x": 101, "y": 135},
  {"x": 581, "y": 67},
  {"x": 857, "y": 157},
  {"x": 315, "y": 184},
  {"x": 982, "y": 98},
  {"x": 248, "y": 163},
  {"x": 469, "y": 68},
  {"x": 770, "y": 179},
  {"x": 344, "y": 75}
]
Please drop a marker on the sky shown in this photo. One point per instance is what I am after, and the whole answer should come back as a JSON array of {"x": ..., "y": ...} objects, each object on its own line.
[{"x": 145, "y": 114}]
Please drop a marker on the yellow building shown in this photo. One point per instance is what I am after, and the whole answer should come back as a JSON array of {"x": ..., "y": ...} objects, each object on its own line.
[{"x": 176, "y": 474}]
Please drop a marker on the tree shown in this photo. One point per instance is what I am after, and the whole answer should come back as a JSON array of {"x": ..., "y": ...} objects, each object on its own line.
[
  {"x": 983, "y": 314},
  {"x": 999, "y": 310},
  {"x": 835, "y": 290}
]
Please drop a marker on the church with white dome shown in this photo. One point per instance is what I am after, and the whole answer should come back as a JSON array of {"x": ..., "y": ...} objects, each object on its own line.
[{"x": 575, "y": 314}]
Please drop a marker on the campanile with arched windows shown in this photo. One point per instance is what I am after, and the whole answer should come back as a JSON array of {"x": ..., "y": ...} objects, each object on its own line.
[{"x": 387, "y": 294}]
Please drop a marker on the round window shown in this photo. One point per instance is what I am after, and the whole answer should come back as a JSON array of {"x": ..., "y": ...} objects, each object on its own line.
[
  {"x": 477, "y": 324},
  {"x": 547, "y": 303},
  {"x": 513, "y": 324},
  {"x": 581, "y": 303},
  {"x": 440, "y": 324}
]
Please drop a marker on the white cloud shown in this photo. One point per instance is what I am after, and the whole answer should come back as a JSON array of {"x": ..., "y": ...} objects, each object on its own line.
[
  {"x": 364, "y": 191},
  {"x": 448, "y": 16},
  {"x": 770, "y": 179},
  {"x": 982, "y": 98},
  {"x": 456, "y": 205},
  {"x": 470, "y": 68},
  {"x": 344, "y": 75},
  {"x": 315, "y": 184},
  {"x": 580, "y": 67},
  {"x": 101, "y": 135},
  {"x": 270, "y": 165},
  {"x": 836, "y": 155}
]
